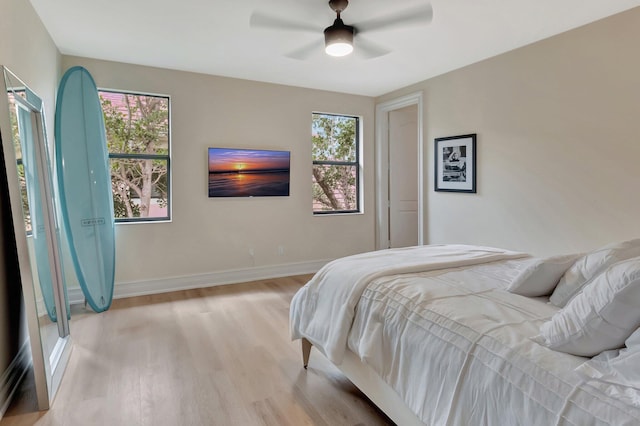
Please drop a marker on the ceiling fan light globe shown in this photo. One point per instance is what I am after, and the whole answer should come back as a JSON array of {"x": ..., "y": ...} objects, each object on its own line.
[{"x": 339, "y": 48}]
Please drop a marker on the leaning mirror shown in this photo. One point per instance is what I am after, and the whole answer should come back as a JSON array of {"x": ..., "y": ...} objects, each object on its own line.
[{"x": 37, "y": 232}]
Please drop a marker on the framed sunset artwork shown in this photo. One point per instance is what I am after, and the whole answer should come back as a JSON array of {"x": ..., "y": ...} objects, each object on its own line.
[{"x": 237, "y": 172}]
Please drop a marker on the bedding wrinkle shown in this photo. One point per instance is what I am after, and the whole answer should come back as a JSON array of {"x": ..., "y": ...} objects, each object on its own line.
[
  {"x": 412, "y": 304},
  {"x": 453, "y": 401},
  {"x": 567, "y": 399},
  {"x": 490, "y": 293},
  {"x": 597, "y": 393},
  {"x": 462, "y": 374}
]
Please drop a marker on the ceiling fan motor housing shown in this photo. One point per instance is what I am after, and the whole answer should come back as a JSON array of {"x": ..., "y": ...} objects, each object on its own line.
[{"x": 338, "y": 32}]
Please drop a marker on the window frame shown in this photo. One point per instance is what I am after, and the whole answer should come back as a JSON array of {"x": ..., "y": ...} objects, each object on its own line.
[
  {"x": 355, "y": 163},
  {"x": 166, "y": 157}
]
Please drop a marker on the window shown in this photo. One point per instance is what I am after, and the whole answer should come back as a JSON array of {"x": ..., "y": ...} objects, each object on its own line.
[
  {"x": 15, "y": 131},
  {"x": 336, "y": 163},
  {"x": 138, "y": 142}
]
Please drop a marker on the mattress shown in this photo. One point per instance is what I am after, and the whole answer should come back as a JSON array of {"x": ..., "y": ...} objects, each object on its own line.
[{"x": 457, "y": 348}]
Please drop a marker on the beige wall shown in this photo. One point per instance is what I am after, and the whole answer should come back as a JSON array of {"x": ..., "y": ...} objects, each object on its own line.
[
  {"x": 26, "y": 49},
  {"x": 558, "y": 126},
  {"x": 29, "y": 52},
  {"x": 208, "y": 234}
]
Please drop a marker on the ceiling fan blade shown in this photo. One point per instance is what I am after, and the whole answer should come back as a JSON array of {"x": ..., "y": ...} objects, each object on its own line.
[
  {"x": 368, "y": 49},
  {"x": 422, "y": 14},
  {"x": 306, "y": 51},
  {"x": 269, "y": 22}
]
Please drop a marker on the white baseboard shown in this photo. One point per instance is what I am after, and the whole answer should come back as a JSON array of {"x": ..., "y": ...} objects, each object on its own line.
[
  {"x": 212, "y": 279},
  {"x": 12, "y": 377}
]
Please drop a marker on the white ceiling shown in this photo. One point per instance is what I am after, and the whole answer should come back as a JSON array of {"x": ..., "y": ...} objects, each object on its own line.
[{"x": 214, "y": 37}]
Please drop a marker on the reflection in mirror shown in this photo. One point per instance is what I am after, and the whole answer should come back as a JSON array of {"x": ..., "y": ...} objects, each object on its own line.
[{"x": 38, "y": 239}]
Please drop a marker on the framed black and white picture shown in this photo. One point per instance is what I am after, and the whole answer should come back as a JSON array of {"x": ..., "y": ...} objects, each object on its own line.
[{"x": 455, "y": 163}]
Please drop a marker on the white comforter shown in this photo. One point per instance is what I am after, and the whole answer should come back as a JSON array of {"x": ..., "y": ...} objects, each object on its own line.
[
  {"x": 325, "y": 321},
  {"x": 452, "y": 342}
]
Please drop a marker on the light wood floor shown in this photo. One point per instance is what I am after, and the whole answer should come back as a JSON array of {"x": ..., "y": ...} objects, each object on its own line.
[{"x": 215, "y": 356}]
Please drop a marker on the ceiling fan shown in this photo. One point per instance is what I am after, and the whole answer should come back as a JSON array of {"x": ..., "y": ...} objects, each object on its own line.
[{"x": 339, "y": 37}]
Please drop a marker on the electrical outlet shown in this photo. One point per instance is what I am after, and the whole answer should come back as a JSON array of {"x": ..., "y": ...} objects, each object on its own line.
[
  {"x": 281, "y": 250},
  {"x": 251, "y": 252}
]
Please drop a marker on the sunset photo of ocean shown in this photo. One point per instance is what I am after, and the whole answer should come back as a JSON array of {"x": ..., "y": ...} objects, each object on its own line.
[{"x": 248, "y": 172}]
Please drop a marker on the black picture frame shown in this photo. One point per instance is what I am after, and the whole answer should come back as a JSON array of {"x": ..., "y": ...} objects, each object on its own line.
[{"x": 455, "y": 163}]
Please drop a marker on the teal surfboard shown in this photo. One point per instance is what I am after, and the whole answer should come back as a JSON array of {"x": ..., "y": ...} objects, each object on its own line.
[{"x": 85, "y": 185}]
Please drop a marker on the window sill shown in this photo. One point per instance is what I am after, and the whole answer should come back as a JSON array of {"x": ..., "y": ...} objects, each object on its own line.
[
  {"x": 137, "y": 222},
  {"x": 318, "y": 214}
]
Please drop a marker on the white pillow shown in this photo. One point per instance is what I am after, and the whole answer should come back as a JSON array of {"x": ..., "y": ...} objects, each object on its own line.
[
  {"x": 589, "y": 266},
  {"x": 541, "y": 277},
  {"x": 599, "y": 318}
]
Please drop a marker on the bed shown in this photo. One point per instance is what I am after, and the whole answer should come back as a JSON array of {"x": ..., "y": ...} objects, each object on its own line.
[{"x": 432, "y": 335}]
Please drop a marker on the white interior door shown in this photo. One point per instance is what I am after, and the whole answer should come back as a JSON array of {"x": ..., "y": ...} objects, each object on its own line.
[{"x": 403, "y": 177}]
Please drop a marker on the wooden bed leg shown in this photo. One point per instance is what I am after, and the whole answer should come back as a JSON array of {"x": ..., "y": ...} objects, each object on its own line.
[{"x": 306, "y": 351}]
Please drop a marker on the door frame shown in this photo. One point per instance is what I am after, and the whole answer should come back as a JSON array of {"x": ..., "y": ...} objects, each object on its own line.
[{"x": 382, "y": 166}]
